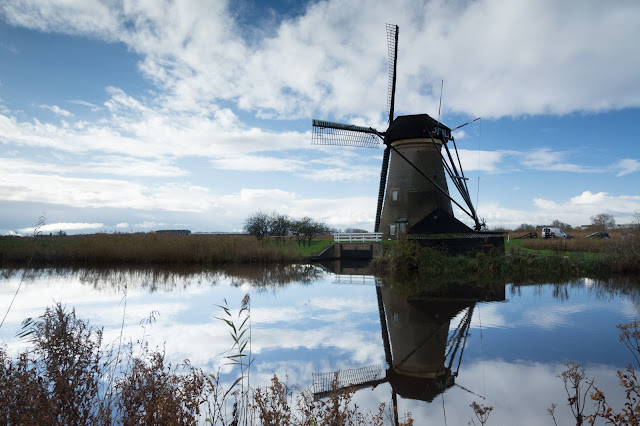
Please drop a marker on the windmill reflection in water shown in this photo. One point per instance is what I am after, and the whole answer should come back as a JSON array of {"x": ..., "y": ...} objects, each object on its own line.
[{"x": 423, "y": 356}]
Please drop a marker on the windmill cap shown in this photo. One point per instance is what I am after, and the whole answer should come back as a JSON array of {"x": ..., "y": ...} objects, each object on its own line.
[{"x": 414, "y": 127}]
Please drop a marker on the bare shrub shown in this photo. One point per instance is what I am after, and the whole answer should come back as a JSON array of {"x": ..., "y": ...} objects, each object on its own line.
[
  {"x": 66, "y": 360},
  {"x": 155, "y": 393},
  {"x": 23, "y": 395},
  {"x": 574, "y": 379},
  {"x": 272, "y": 403},
  {"x": 64, "y": 379},
  {"x": 630, "y": 412}
]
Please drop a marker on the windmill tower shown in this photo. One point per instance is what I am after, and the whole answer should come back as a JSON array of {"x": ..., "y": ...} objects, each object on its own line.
[{"x": 413, "y": 196}]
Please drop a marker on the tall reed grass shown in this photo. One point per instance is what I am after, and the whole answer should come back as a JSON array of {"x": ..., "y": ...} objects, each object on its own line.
[{"x": 149, "y": 248}]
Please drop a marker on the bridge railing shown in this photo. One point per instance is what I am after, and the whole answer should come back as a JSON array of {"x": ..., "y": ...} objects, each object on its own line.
[{"x": 356, "y": 237}]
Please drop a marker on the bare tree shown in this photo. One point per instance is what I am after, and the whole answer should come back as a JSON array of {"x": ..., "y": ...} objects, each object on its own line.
[
  {"x": 258, "y": 224},
  {"x": 317, "y": 228},
  {"x": 603, "y": 221},
  {"x": 280, "y": 226},
  {"x": 306, "y": 229},
  {"x": 559, "y": 224},
  {"x": 355, "y": 231},
  {"x": 525, "y": 227}
]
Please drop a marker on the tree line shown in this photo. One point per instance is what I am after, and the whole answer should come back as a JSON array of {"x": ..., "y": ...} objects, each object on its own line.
[
  {"x": 599, "y": 222},
  {"x": 280, "y": 226}
]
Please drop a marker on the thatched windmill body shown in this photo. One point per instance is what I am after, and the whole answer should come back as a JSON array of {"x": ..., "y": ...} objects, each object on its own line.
[{"x": 413, "y": 195}]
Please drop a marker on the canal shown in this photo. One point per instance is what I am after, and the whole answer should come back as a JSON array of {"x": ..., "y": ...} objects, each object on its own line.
[{"x": 432, "y": 354}]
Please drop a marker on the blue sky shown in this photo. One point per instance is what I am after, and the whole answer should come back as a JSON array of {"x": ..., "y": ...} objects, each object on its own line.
[{"x": 135, "y": 116}]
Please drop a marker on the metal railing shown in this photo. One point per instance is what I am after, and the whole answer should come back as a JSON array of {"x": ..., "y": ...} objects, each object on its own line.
[{"x": 353, "y": 237}]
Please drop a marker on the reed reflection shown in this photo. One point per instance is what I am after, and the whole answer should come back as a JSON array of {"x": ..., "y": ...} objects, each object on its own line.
[{"x": 152, "y": 279}]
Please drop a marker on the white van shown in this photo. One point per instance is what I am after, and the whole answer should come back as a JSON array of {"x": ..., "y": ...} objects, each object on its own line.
[{"x": 553, "y": 233}]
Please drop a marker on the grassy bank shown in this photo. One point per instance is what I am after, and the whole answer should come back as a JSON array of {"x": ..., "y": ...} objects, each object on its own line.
[
  {"x": 526, "y": 260},
  {"x": 407, "y": 260},
  {"x": 148, "y": 248}
]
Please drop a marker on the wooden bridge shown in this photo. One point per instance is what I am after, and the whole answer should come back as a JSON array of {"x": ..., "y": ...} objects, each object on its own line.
[{"x": 358, "y": 237}]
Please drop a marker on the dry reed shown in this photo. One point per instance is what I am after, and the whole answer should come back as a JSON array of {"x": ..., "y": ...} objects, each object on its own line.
[{"x": 147, "y": 248}]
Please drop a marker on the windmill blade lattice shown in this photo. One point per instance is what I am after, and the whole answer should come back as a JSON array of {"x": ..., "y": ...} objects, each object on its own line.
[
  {"x": 326, "y": 383},
  {"x": 392, "y": 45},
  {"x": 328, "y": 133}
]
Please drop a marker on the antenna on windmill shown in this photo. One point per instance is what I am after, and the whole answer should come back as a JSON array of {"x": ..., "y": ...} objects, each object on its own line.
[
  {"x": 440, "y": 106},
  {"x": 478, "y": 193}
]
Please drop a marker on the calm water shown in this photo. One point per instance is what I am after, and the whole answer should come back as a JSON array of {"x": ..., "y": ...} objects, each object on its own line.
[{"x": 306, "y": 321}]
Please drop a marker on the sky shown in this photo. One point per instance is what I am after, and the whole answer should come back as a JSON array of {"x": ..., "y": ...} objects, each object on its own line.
[{"x": 134, "y": 116}]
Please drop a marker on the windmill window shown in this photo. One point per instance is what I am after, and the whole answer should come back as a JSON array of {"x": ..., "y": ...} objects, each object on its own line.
[
  {"x": 394, "y": 195},
  {"x": 401, "y": 225},
  {"x": 392, "y": 230}
]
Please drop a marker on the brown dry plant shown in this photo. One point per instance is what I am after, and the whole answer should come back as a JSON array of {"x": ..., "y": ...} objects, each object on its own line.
[
  {"x": 630, "y": 412},
  {"x": 482, "y": 413},
  {"x": 274, "y": 406},
  {"x": 65, "y": 378}
]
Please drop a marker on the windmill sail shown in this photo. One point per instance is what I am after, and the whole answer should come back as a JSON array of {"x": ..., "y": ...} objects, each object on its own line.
[
  {"x": 328, "y": 133},
  {"x": 392, "y": 47},
  {"x": 323, "y": 384}
]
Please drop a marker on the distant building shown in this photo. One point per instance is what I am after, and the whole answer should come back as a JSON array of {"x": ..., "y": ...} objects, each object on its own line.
[{"x": 173, "y": 232}]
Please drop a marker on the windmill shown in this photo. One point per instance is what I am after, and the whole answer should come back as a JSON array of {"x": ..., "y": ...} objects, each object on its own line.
[{"x": 413, "y": 196}]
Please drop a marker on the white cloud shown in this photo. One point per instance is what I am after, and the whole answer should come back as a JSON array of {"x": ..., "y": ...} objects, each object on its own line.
[
  {"x": 64, "y": 226},
  {"x": 57, "y": 110},
  {"x": 259, "y": 164},
  {"x": 459, "y": 134},
  {"x": 339, "y": 174},
  {"x": 150, "y": 225},
  {"x": 93, "y": 107},
  {"x": 549, "y": 160},
  {"x": 578, "y": 210},
  {"x": 486, "y": 161},
  {"x": 588, "y": 198},
  {"x": 87, "y": 17},
  {"x": 111, "y": 165},
  {"x": 87, "y": 192},
  {"x": 628, "y": 165},
  {"x": 195, "y": 52},
  {"x": 338, "y": 212},
  {"x": 211, "y": 78},
  {"x": 145, "y": 133}
]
